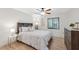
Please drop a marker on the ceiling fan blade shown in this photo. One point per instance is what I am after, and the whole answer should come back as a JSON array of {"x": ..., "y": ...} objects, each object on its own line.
[
  {"x": 48, "y": 10},
  {"x": 48, "y": 13}
]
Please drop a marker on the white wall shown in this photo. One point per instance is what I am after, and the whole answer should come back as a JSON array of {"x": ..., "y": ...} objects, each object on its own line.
[
  {"x": 25, "y": 14},
  {"x": 8, "y": 19},
  {"x": 36, "y": 19},
  {"x": 25, "y": 18},
  {"x": 73, "y": 16}
]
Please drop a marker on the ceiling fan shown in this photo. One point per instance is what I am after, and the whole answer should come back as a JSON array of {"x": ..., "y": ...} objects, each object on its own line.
[{"x": 44, "y": 11}]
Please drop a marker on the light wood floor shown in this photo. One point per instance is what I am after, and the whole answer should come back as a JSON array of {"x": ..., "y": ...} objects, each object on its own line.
[{"x": 57, "y": 44}]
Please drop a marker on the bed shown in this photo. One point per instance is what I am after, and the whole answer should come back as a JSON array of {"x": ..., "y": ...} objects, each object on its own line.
[{"x": 38, "y": 39}]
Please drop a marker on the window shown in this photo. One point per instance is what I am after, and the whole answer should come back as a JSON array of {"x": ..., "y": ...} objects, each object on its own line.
[{"x": 53, "y": 23}]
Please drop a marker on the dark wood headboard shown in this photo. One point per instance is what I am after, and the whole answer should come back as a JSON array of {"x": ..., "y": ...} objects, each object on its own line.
[{"x": 23, "y": 25}]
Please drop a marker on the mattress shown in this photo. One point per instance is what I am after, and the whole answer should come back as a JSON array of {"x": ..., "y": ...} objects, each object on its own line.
[{"x": 37, "y": 38}]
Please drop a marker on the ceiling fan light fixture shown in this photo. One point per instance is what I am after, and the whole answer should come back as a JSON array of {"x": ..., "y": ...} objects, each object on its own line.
[{"x": 42, "y": 13}]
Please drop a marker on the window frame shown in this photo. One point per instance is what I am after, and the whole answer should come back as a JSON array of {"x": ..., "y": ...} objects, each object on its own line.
[{"x": 58, "y": 23}]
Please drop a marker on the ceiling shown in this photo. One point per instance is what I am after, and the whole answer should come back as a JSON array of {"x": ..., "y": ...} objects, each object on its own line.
[{"x": 30, "y": 11}]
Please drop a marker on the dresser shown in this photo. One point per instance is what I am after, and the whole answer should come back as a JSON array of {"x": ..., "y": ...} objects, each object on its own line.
[{"x": 71, "y": 38}]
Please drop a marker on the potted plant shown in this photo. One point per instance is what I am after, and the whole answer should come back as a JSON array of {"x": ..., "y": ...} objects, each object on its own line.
[{"x": 72, "y": 25}]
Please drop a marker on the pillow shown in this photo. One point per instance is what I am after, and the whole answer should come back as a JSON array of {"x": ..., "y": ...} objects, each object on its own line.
[
  {"x": 24, "y": 29},
  {"x": 33, "y": 28},
  {"x": 30, "y": 28}
]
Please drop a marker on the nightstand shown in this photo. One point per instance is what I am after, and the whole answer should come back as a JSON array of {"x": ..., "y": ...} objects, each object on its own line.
[{"x": 11, "y": 39}]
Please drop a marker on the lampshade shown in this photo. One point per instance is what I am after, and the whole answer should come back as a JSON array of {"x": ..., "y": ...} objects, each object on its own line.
[
  {"x": 36, "y": 23},
  {"x": 12, "y": 30}
]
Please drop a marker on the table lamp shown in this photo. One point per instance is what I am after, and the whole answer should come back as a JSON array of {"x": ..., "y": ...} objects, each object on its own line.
[{"x": 12, "y": 30}]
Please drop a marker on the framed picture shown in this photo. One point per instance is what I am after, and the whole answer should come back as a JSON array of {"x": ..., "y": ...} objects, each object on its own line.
[{"x": 53, "y": 23}]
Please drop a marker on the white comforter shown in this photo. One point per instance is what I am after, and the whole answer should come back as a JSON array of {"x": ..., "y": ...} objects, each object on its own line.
[{"x": 37, "y": 39}]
